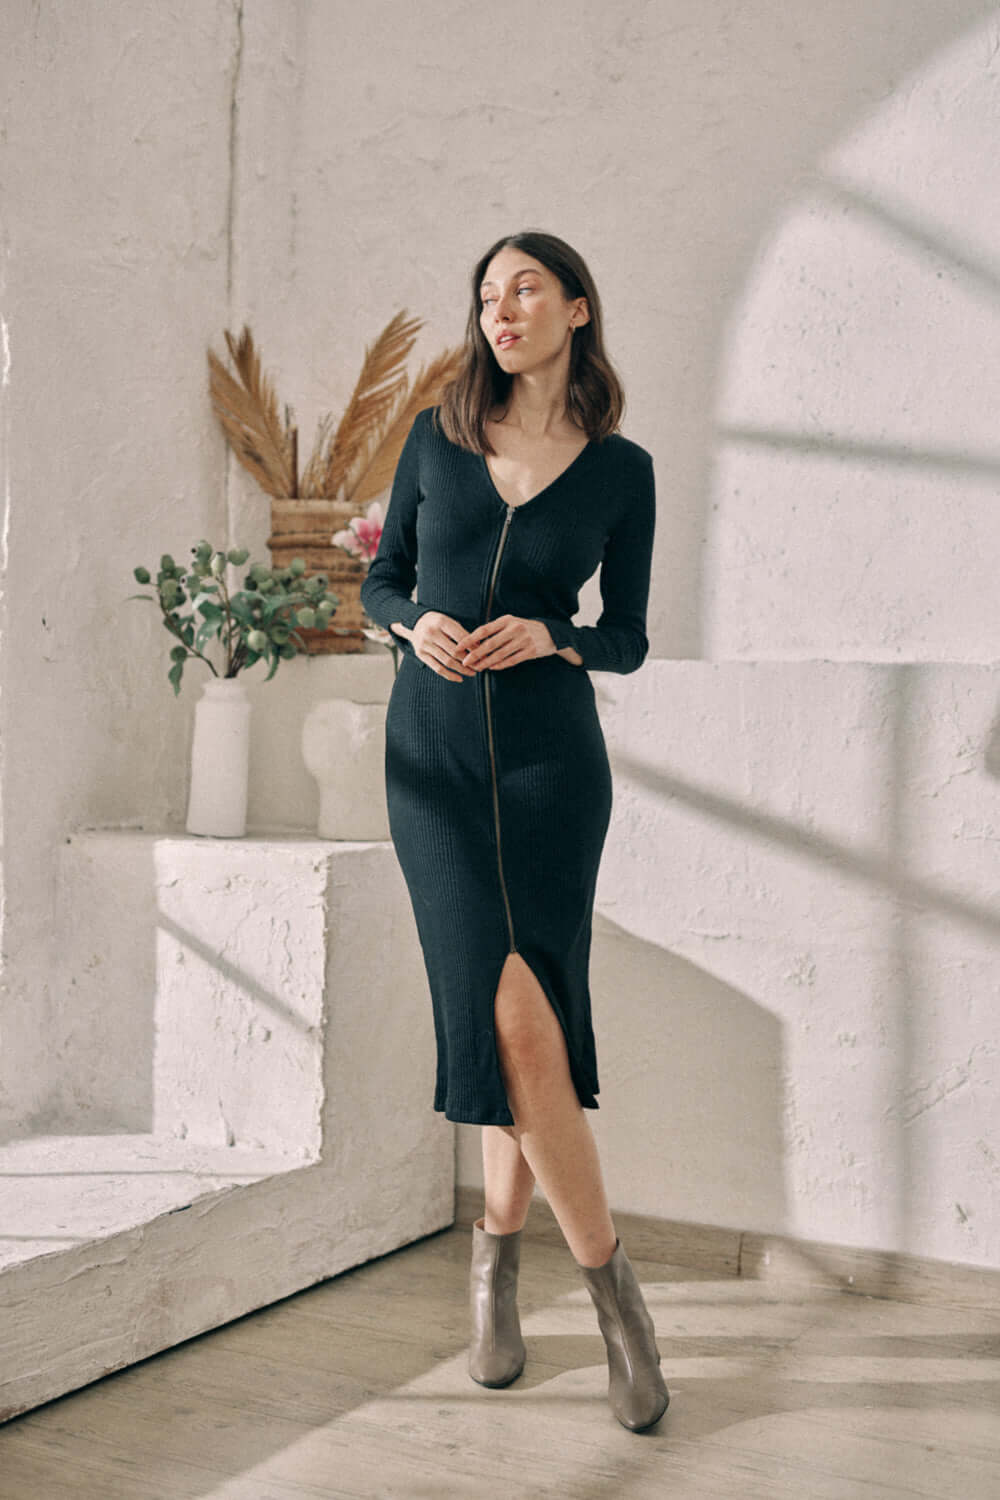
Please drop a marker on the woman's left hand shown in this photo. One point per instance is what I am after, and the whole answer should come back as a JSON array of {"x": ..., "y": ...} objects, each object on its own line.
[{"x": 504, "y": 642}]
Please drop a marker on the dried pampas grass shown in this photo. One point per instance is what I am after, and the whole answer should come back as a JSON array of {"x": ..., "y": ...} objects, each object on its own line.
[
  {"x": 376, "y": 474},
  {"x": 358, "y": 461},
  {"x": 248, "y": 411}
]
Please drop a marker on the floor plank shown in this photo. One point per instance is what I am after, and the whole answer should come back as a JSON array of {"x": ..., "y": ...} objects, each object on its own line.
[{"x": 357, "y": 1388}]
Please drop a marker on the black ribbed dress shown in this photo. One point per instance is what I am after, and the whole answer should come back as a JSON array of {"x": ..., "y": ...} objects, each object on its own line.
[{"x": 498, "y": 786}]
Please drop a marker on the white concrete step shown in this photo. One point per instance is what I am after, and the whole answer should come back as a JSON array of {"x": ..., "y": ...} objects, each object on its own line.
[
  {"x": 248, "y": 1054},
  {"x": 60, "y": 1192},
  {"x": 169, "y": 1242}
]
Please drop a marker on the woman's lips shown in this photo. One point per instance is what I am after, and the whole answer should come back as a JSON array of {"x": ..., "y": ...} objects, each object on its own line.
[{"x": 506, "y": 339}]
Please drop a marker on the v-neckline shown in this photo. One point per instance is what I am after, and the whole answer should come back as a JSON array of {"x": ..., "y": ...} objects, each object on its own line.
[{"x": 552, "y": 482}]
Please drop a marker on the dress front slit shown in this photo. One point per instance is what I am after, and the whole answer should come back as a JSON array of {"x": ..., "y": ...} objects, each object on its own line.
[{"x": 584, "y": 1092}]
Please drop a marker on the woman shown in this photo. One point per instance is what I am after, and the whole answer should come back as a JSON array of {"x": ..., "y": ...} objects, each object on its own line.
[{"x": 507, "y": 498}]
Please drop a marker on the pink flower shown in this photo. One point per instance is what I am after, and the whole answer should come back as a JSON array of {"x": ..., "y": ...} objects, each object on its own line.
[
  {"x": 364, "y": 535},
  {"x": 349, "y": 542}
]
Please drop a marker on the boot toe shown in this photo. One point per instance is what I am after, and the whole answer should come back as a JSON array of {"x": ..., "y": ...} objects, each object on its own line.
[
  {"x": 637, "y": 1416},
  {"x": 495, "y": 1369}
]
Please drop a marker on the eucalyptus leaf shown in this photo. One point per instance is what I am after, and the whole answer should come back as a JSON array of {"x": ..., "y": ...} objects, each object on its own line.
[
  {"x": 205, "y": 633},
  {"x": 242, "y": 611}
]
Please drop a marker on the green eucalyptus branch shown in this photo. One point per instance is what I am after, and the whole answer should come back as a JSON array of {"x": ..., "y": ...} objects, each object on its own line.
[{"x": 258, "y": 622}]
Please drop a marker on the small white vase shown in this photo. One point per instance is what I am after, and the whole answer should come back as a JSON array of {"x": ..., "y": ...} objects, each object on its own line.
[
  {"x": 220, "y": 760},
  {"x": 343, "y": 746}
]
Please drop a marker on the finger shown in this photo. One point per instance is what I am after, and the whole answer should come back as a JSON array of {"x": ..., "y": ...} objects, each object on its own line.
[
  {"x": 458, "y": 664},
  {"x": 481, "y": 632},
  {"x": 444, "y": 657},
  {"x": 455, "y": 647},
  {"x": 483, "y": 638},
  {"x": 445, "y": 652},
  {"x": 510, "y": 661},
  {"x": 435, "y": 666},
  {"x": 496, "y": 650},
  {"x": 453, "y": 631},
  {"x": 490, "y": 627},
  {"x": 502, "y": 655}
]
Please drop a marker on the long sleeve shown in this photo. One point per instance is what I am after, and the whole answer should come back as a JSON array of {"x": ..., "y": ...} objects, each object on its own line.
[
  {"x": 618, "y": 642},
  {"x": 386, "y": 592}
]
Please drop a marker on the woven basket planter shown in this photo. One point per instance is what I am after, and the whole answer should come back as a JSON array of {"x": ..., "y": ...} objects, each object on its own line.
[{"x": 303, "y": 528}]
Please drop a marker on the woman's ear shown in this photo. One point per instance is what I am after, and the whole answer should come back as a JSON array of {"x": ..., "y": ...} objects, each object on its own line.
[{"x": 581, "y": 312}]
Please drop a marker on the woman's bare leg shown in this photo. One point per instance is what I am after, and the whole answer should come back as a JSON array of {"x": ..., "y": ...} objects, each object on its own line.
[
  {"x": 550, "y": 1131},
  {"x": 508, "y": 1178}
]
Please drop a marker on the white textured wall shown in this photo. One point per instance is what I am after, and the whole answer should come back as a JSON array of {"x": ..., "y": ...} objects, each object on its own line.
[
  {"x": 115, "y": 248},
  {"x": 857, "y": 456},
  {"x": 795, "y": 971},
  {"x": 818, "y": 947},
  {"x": 789, "y": 213}
]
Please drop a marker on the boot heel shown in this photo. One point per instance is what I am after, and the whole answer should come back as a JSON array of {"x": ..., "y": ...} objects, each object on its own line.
[
  {"x": 636, "y": 1388},
  {"x": 497, "y": 1352}
]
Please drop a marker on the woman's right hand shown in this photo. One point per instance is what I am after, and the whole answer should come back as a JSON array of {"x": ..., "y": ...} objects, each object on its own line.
[{"x": 434, "y": 637}]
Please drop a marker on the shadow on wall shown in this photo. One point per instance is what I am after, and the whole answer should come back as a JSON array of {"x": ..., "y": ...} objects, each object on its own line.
[
  {"x": 691, "y": 1095},
  {"x": 855, "y": 457},
  {"x": 866, "y": 849}
]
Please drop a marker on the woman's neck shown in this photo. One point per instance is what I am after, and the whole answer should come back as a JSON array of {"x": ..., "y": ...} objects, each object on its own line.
[{"x": 537, "y": 404}]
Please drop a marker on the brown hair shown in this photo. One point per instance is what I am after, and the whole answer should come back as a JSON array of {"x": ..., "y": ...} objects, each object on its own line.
[{"x": 594, "y": 398}]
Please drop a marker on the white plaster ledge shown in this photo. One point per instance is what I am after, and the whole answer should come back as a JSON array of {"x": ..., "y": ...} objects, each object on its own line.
[
  {"x": 58, "y": 1192},
  {"x": 249, "y": 1063}
]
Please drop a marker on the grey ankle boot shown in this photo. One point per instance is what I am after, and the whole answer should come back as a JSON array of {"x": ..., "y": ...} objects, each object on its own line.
[
  {"x": 636, "y": 1389},
  {"x": 496, "y": 1353}
]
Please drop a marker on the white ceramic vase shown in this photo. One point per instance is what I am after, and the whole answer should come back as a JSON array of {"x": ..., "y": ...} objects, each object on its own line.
[
  {"x": 220, "y": 760},
  {"x": 343, "y": 746}
]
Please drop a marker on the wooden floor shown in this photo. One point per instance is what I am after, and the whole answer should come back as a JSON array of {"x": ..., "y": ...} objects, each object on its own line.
[{"x": 358, "y": 1387}]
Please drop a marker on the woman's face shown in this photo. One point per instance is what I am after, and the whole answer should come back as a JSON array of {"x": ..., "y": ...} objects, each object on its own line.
[{"x": 524, "y": 312}]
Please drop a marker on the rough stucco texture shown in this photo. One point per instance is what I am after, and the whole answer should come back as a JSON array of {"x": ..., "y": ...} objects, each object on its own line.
[
  {"x": 795, "y": 977},
  {"x": 114, "y": 234},
  {"x": 790, "y": 221}
]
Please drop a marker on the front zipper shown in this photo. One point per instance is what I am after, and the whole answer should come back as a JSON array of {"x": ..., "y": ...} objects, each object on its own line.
[{"x": 488, "y": 690}]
